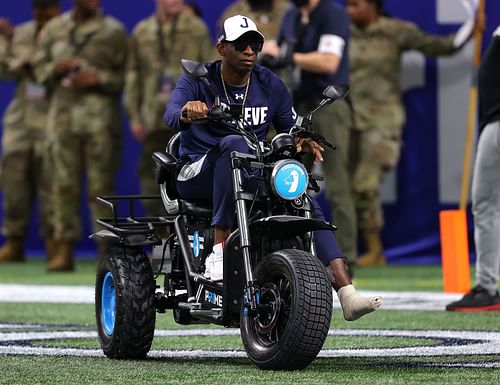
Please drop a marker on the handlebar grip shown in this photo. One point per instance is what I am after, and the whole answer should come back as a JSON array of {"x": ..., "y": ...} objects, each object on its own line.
[
  {"x": 184, "y": 114},
  {"x": 214, "y": 114}
]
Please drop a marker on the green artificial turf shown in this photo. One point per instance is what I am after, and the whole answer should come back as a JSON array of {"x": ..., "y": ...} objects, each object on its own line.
[
  {"x": 234, "y": 342},
  {"x": 31, "y": 370},
  {"x": 385, "y": 278},
  {"x": 345, "y": 371},
  {"x": 34, "y": 272}
]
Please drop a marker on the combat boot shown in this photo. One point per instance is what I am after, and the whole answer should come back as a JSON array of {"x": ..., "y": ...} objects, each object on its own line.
[
  {"x": 374, "y": 250},
  {"x": 12, "y": 250},
  {"x": 62, "y": 259},
  {"x": 50, "y": 247}
]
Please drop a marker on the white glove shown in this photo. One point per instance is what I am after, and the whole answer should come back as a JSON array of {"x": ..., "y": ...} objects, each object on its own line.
[{"x": 465, "y": 30}]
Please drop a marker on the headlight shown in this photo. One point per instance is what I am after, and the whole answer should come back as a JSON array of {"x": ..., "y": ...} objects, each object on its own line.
[
  {"x": 289, "y": 179},
  {"x": 284, "y": 146}
]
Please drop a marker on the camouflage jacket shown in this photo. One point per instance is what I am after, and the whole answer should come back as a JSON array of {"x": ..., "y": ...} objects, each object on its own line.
[
  {"x": 4, "y": 50},
  {"x": 267, "y": 22},
  {"x": 153, "y": 65},
  {"x": 374, "y": 55},
  {"x": 24, "y": 119},
  {"x": 100, "y": 45}
]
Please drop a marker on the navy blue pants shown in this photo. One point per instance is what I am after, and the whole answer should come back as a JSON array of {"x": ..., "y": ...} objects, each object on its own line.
[{"x": 212, "y": 183}]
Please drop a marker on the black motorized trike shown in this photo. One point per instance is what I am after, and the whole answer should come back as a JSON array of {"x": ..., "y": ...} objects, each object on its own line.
[{"x": 274, "y": 289}]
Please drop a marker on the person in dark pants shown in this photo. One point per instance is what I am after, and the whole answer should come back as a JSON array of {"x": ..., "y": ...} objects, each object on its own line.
[
  {"x": 486, "y": 188},
  {"x": 205, "y": 148},
  {"x": 313, "y": 46}
]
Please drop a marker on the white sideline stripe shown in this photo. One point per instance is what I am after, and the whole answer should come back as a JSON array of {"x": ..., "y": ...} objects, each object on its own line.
[
  {"x": 46, "y": 293},
  {"x": 197, "y": 354},
  {"x": 474, "y": 343},
  {"x": 85, "y": 294}
]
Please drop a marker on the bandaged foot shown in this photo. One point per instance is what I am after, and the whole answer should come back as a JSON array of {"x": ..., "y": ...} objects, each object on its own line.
[{"x": 354, "y": 305}]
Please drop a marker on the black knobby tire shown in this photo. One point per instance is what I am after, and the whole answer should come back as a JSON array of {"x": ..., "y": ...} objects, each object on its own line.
[
  {"x": 288, "y": 337},
  {"x": 127, "y": 274}
]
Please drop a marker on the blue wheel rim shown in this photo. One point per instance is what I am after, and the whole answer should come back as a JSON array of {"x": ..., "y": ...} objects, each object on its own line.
[{"x": 108, "y": 304}]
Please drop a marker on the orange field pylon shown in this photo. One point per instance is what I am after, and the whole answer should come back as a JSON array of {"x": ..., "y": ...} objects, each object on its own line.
[{"x": 454, "y": 251}]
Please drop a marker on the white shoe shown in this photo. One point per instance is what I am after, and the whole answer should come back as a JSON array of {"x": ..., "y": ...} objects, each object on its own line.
[{"x": 214, "y": 266}]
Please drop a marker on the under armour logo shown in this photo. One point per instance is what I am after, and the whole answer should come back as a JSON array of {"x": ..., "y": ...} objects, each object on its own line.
[{"x": 239, "y": 96}]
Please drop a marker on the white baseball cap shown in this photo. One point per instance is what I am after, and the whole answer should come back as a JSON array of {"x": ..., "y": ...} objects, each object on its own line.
[{"x": 236, "y": 26}]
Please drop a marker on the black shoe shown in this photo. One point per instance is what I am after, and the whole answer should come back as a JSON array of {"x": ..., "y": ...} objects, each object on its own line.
[{"x": 478, "y": 299}]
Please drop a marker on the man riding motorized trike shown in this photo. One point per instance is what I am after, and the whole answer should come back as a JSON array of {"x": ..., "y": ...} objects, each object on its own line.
[{"x": 263, "y": 272}]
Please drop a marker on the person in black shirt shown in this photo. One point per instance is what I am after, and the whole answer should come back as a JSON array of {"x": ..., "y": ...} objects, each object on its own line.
[
  {"x": 486, "y": 188},
  {"x": 313, "y": 43}
]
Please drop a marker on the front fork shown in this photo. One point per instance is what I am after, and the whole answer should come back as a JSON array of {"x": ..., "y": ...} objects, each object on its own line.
[
  {"x": 308, "y": 213},
  {"x": 251, "y": 293}
]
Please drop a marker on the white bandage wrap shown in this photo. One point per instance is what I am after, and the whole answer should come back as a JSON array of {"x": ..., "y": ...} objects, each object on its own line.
[
  {"x": 354, "y": 305},
  {"x": 331, "y": 44}
]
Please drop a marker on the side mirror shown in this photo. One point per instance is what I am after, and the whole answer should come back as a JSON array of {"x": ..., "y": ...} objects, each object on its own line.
[
  {"x": 199, "y": 71},
  {"x": 336, "y": 91},
  {"x": 194, "y": 68},
  {"x": 333, "y": 93}
]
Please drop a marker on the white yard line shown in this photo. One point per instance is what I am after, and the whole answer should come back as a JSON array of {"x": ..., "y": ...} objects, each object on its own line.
[
  {"x": 85, "y": 294},
  {"x": 453, "y": 343}
]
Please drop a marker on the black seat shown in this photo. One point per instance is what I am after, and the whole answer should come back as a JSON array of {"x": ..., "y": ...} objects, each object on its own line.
[{"x": 166, "y": 177}]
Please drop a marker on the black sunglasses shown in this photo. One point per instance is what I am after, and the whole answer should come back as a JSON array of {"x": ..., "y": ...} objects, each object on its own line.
[{"x": 242, "y": 44}]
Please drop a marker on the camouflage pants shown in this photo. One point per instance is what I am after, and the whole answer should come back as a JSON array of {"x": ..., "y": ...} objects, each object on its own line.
[
  {"x": 375, "y": 153},
  {"x": 75, "y": 155},
  {"x": 335, "y": 123},
  {"x": 155, "y": 141},
  {"x": 25, "y": 174}
]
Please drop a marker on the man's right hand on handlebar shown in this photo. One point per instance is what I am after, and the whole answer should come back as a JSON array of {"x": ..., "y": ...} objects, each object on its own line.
[{"x": 194, "y": 110}]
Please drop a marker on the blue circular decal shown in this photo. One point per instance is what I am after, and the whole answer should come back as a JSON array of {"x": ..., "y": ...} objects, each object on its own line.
[
  {"x": 289, "y": 179},
  {"x": 108, "y": 304},
  {"x": 196, "y": 244}
]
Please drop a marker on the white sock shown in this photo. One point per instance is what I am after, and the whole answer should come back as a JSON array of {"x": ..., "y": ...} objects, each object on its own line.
[
  {"x": 214, "y": 263},
  {"x": 218, "y": 249},
  {"x": 354, "y": 305}
]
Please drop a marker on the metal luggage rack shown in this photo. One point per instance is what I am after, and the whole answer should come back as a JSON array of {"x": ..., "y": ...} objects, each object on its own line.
[{"x": 131, "y": 224}]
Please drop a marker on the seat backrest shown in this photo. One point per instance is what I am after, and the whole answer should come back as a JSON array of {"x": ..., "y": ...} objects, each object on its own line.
[
  {"x": 174, "y": 204},
  {"x": 173, "y": 145},
  {"x": 171, "y": 182}
]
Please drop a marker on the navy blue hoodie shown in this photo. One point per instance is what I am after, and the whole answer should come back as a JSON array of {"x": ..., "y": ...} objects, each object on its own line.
[{"x": 268, "y": 101}]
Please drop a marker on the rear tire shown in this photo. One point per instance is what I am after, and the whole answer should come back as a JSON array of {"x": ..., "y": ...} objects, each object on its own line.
[
  {"x": 125, "y": 303},
  {"x": 290, "y": 333}
]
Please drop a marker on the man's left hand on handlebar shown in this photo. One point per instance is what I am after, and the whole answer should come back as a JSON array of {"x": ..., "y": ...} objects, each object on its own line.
[
  {"x": 309, "y": 145},
  {"x": 193, "y": 111}
]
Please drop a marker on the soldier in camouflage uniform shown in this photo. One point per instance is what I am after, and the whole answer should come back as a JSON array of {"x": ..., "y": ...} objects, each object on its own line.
[
  {"x": 81, "y": 56},
  {"x": 24, "y": 169},
  {"x": 267, "y": 14},
  {"x": 158, "y": 44},
  {"x": 376, "y": 46}
]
